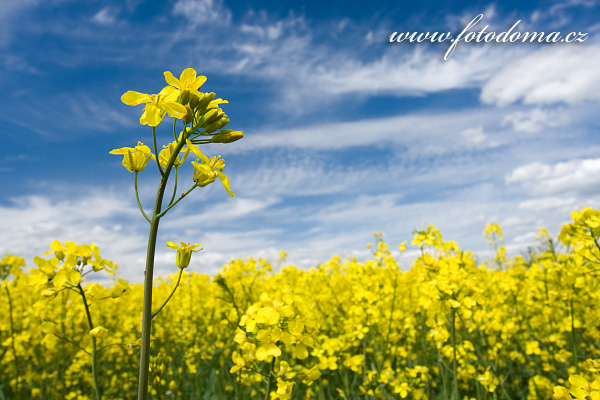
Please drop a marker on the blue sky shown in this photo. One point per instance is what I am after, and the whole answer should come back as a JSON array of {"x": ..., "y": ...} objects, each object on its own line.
[{"x": 346, "y": 134}]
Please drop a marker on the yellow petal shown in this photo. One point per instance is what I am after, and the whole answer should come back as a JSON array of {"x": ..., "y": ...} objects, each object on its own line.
[
  {"x": 196, "y": 93},
  {"x": 132, "y": 98},
  {"x": 188, "y": 75},
  {"x": 226, "y": 183},
  {"x": 175, "y": 110},
  {"x": 73, "y": 276},
  {"x": 273, "y": 350},
  {"x": 216, "y": 102},
  {"x": 151, "y": 115},
  {"x": 261, "y": 353},
  {"x": 169, "y": 93},
  {"x": 199, "y": 82},
  {"x": 171, "y": 80},
  {"x": 301, "y": 351},
  {"x": 577, "y": 380},
  {"x": 56, "y": 246},
  {"x": 59, "y": 279},
  {"x": 129, "y": 161},
  {"x": 122, "y": 150},
  {"x": 196, "y": 150}
]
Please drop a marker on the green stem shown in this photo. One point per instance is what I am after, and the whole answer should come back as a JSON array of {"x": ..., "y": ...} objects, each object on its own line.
[
  {"x": 94, "y": 352},
  {"x": 365, "y": 383},
  {"x": 174, "y": 189},
  {"x": 137, "y": 197},
  {"x": 270, "y": 379},
  {"x": 480, "y": 357},
  {"x": 161, "y": 214},
  {"x": 156, "y": 152},
  {"x": 155, "y": 313},
  {"x": 442, "y": 369},
  {"x": 575, "y": 357},
  {"x": 12, "y": 339},
  {"x": 454, "y": 368},
  {"x": 387, "y": 339},
  {"x": 73, "y": 343},
  {"x": 148, "y": 278}
]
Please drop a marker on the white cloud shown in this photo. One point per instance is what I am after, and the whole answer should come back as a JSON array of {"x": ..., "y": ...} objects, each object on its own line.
[
  {"x": 10, "y": 12},
  {"x": 477, "y": 138},
  {"x": 46, "y": 116},
  {"x": 346, "y": 226},
  {"x": 417, "y": 73},
  {"x": 203, "y": 11},
  {"x": 535, "y": 120},
  {"x": 261, "y": 223},
  {"x": 444, "y": 167},
  {"x": 212, "y": 215},
  {"x": 580, "y": 177},
  {"x": 556, "y": 204},
  {"x": 12, "y": 63},
  {"x": 429, "y": 133},
  {"x": 329, "y": 74},
  {"x": 106, "y": 16},
  {"x": 31, "y": 223},
  {"x": 557, "y": 14},
  {"x": 304, "y": 177},
  {"x": 309, "y": 72},
  {"x": 557, "y": 73}
]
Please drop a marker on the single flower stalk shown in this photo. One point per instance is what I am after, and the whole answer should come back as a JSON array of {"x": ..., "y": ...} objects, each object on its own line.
[{"x": 200, "y": 115}]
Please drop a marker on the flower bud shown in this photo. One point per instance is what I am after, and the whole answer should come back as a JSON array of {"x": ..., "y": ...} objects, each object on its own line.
[
  {"x": 212, "y": 116},
  {"x": 215, "y": 126},
  {"x": 184, "y": 97},
  {"x": 189, "y": 116},
  {"x": 227, "y": 136},
  {"x": 99, "y": 332},
  {"x": 194, "y": 101},
  {"x": 205, "y": 100},
  {"x": 47, "y": 293},
  {"x": 224, "y": 121}
]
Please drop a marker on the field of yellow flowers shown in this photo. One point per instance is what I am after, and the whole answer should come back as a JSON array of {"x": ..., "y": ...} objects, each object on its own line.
[{"x": 446, "y": 327}]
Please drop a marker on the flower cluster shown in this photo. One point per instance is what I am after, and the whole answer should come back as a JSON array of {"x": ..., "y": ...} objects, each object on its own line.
[
  {"x": 521, "y": 327},
  {"x": 279, "y": 330},
  {"x": 51, "y": 276},
  {"x": 203, "y": 122}
]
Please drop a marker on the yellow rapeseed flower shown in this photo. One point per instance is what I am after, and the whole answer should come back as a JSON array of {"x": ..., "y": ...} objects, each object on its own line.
[
  {"x": 165, "y": 154},
  {"x": 157, "y": 105},
  {"x": 207, "y": 172},
  {"x": 184, "y": 252},
  {"x": 187, "y": 80},
  {"x": 135, "y": 158}
]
